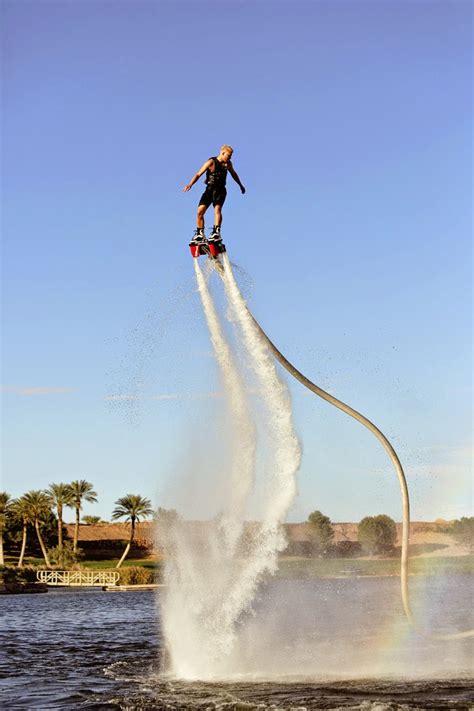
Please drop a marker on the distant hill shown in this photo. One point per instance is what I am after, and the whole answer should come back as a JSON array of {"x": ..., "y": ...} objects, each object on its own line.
[{"x": 426, "y": 538}]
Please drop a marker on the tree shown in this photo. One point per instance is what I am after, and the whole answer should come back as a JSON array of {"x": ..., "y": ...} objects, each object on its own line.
[
  {"x": 321, "y": 529},
  {"x": 21, "y": 511},
  {"x": 38, "y": 505},
  {"x": 165, "y": 517},
  {"x": 91, "y": 520},
  {"x": 131, "y": 507},
  {"x": 61, "y": 495},
  {"x": 5, "y": 503},
  {"x": 377, "y": 534},
  {"x": 81, "y": 489},
  {"x": 462, "y": 530}
]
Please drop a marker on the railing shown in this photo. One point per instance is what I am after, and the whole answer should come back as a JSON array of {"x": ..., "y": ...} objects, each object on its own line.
[{"x": 87, "y": 578}]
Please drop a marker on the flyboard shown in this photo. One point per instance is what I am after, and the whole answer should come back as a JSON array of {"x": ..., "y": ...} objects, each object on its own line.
[{"x": 211, "y": 248}]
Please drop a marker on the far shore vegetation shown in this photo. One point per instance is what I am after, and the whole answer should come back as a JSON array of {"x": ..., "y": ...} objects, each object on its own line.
[
  {"x": 33, "y": 535},
  {"x": 297, "y": 567}
]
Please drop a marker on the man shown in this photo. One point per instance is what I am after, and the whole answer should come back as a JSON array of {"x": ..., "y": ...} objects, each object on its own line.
[{"x": 216, "y": 174}]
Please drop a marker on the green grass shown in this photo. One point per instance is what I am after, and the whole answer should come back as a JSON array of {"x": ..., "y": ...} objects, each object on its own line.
[
  {"x": 94, "y": 564},
  {"x": 313, "y": 567},
  {"x": 128, "y": 562},
  {"x": 27, "y": 560},
  {"x": 329, "y": 567}
]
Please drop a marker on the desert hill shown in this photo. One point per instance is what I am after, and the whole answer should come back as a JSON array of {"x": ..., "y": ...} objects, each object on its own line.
[{"x": 426, "y": 538}]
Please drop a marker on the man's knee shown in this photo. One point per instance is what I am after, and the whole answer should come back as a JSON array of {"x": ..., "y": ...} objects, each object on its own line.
[{"x": 201, "y": 210}]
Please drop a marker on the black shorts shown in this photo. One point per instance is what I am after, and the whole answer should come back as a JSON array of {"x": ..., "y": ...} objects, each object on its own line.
[{"x": 216, "y": 196}]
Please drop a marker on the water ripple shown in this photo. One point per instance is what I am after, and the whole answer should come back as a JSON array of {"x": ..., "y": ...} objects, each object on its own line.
[{"x": 91, "y": 651}]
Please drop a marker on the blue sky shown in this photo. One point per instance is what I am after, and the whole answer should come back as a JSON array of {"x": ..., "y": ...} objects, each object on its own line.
[{"x": 351, "y": 128}]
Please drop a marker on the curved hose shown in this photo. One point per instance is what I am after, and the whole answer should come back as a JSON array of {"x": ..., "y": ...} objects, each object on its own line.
[{"x": 391, "y": 453}]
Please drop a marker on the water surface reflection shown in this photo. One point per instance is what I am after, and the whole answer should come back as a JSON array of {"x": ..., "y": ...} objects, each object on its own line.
[{"x": 333, "y": 644}]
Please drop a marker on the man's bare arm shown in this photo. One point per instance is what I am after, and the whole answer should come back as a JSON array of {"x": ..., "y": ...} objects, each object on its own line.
[
  {"x": 236, "y": 178},
  {"x": 196, "y": 177}
]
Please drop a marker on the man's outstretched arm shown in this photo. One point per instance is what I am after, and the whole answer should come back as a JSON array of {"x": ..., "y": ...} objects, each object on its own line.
[
  {"x": 236, "y": 178},
  {"x": 196, "y": 177}
]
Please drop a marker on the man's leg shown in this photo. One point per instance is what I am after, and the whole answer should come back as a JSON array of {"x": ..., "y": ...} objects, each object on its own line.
[
  {"x": 201, "y": 211},
  {"x": 218, "y": 215},
  {"x": 216, "y": 230},
  {"x": 199, "y": 235}
]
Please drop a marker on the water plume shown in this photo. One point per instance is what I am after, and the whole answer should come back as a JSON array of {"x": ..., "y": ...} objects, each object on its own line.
[
  {"x": 276, "y": 397},
  {"x": 213, "y": 569},
  {"x": 242, "y": 461}
]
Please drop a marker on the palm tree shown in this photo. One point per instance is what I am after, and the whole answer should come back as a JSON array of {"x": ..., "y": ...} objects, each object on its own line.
[
  {"x": 39, "y": 505},
  {"x": 21, "y": 510},
  {"x": 80, "y": 489},
  {"x": 61, "y": 495},
  {"x": 5, "y": 502},
  {"x": 132, "y": 507}
]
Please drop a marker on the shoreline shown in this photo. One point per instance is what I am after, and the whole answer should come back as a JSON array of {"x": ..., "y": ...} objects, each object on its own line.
[{"x": 36, "y": 588}]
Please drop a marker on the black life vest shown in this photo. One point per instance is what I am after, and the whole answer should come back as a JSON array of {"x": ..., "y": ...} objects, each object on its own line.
[{"x": 216, "y": 178}]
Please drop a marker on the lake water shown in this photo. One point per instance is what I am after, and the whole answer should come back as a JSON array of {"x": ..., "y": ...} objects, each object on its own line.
[{"x": 309, "y": 644}]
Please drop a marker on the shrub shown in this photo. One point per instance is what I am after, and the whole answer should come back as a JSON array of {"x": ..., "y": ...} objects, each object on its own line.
[
  {"x": 65, "y": 557},
  {"x": 322, "y": 531},
  {"x": 345, "y": 549},
  {"x": 462, "y": 530},
  {"x": 377, "y": 534},
  {"x": 135, "y": 575},
  {"x": 10, "y": 574}
]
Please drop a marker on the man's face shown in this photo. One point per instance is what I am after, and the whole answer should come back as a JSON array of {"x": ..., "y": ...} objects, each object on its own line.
[{"x": 226, "y": 155}]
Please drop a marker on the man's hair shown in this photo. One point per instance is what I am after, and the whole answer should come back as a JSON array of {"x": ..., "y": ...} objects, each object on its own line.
[{"x": 227, "y": 147}]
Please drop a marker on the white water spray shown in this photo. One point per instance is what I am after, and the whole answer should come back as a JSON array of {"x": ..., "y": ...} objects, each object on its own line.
[
  {"x": 213, "y": 570},
  {"x": 286, "y": 449},
  {"x": 242, "y": 463}
]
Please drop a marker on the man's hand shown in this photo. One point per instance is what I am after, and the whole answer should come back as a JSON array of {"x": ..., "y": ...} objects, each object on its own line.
[
  {"x": 242, "y": 190},
  {"x": 186, "y": 188}
]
